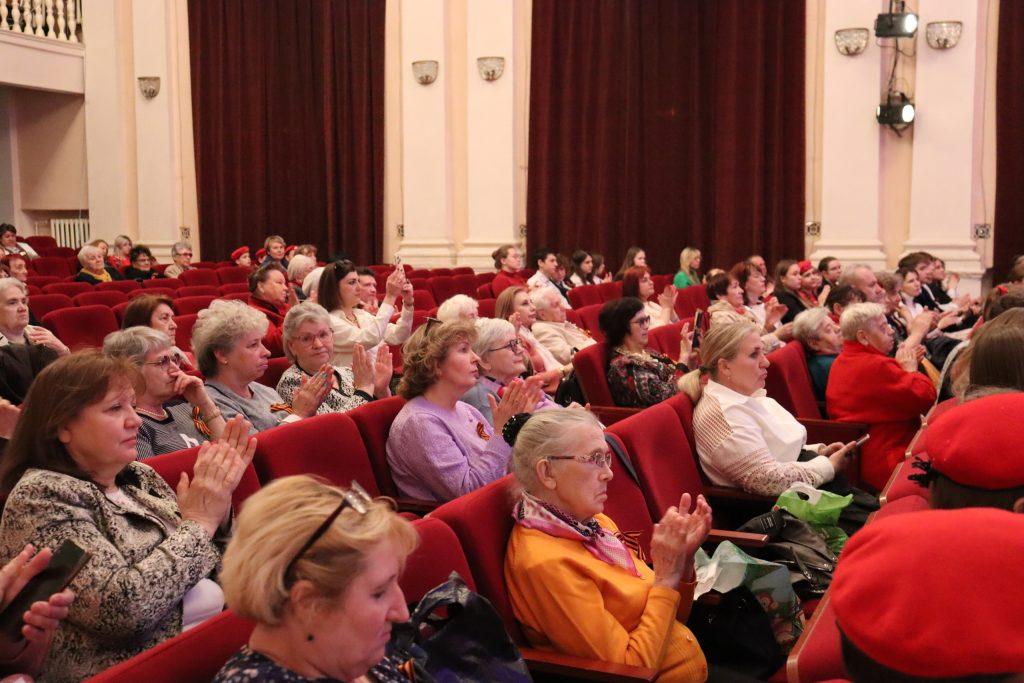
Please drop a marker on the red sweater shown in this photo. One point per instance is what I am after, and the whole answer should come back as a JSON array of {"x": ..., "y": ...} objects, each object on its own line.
[
  {"x": 865, "y": 385},
  {"x": 503, "y": 281},
  {"x": 274, "y": 338}
]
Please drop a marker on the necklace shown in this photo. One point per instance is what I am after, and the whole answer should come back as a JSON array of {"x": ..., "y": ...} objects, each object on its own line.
[
  {"x": 643, "y": 355},
  {"x": 156, "y": 416}
]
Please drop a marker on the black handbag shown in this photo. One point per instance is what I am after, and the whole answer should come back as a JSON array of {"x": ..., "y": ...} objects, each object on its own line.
[
  {"x": 737, "y": 634},
  {"x": 795, "y": 544},
  {"x": 455, "y": 634}
]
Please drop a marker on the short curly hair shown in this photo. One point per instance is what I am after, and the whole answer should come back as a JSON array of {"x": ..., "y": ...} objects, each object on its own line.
[
  {"x": 219, "y": 327},
  {"x": 426, "y": 349}
]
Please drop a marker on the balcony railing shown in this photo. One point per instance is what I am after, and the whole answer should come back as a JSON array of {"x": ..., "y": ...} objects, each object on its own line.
[{"x": 59, "y": 20}]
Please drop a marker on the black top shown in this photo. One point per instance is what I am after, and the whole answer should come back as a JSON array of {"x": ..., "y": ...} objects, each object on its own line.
[
  {"x": 84, "y": 276},
  {"x": 133, "y": 273},
  {"x": 793, "y": 303}
]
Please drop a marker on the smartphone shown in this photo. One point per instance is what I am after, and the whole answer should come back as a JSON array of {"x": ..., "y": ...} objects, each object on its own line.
[
  {"x": 861, "y": 441},
  {"x": 698, "y": 322},
  {"x": 65, "y": 564}
]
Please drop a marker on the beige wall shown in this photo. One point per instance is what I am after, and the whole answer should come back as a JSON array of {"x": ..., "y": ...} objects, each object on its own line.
[{"x": 50, "y": 135}]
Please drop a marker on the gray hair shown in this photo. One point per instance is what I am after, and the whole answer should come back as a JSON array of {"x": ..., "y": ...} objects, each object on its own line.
[
  {"x": 179, "y": 247},
  {"x": 135, "y": 343},
  {"x": 547, "y": 433},
  {"x": 491, "y": 331},
  {"x": 856, "y": 317},
  {"x": 807, "y": 324},
  {"x": 6, "y": 282},
  {"x": 541, "y": 299},
  {"x": 849, "y": 276},
  {"x": 303, "y": 312},
  {"x": 86, "y": 251},
  {"x": 312, "y": 281},
  {"x": 456, "y": 307},
  {"x": 297, "y": 264},
  {"x": 219, "y": 327}
]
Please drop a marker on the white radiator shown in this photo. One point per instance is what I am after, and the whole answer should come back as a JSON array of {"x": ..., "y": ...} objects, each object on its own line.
[{"x": 70, "y": 232}]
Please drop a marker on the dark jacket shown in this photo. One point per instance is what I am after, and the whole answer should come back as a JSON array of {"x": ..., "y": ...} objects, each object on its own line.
[{"x": 84, "y": 276}]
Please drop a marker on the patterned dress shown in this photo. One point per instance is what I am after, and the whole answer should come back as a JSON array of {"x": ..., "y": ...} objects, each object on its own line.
[
  {"x": 248, "y": 666},
  {"x": 638, "y": 380}
]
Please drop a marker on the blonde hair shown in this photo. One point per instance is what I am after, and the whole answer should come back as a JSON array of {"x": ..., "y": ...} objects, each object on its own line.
[
  {"x": 721, "y": 343},
  {"x": 219, "y": 326},
  {"x": 455, "y": 307},
  {"x": 274, "y": 524},
  {"x": 856, "y": 316},
  {"x": 424, "y": 352},
  {"x": 686, "y": 257},
  {"x": 298, "y": 264},
  {"x": 547, "y": 433}
]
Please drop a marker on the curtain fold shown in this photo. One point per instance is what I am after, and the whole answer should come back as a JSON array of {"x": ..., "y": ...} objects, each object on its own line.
[
  {"x": 1009, "y": 216},
  {"x": 667, "y": 123},
  {"x": 288, "y": 110}
]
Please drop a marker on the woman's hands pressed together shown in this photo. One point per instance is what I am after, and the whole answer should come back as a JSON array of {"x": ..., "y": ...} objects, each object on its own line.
[{"x": 676, "y": 538}]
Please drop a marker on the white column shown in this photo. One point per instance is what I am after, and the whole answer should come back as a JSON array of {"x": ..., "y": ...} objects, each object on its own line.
[
  {"x": 426, "y": 174},
  {"x": 947, "y": 151},
  {"x": 849, "y": 183},
  {"x": 490, "y": 123}
]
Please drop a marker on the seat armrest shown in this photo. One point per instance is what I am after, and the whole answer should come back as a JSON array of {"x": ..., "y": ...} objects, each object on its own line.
[
  {"x": 829, "y": 431},
  {"x": 738, "y": 537},
  {"x": 580, "y": 668},
  {"x": 609, "y": 415},
  {"x": 420, "y": 507}
]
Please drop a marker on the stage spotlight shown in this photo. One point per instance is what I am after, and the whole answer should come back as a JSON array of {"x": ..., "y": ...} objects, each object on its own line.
[
  {"x": 901, "y": 25},
  {"x": 898, "y": 111}
]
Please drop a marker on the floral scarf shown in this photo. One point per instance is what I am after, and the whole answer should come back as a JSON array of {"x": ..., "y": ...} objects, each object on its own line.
[{"x": 606, "y": 546}]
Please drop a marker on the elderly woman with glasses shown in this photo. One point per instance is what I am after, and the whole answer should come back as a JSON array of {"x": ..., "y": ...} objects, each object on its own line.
[
  {"x": 228, "y": 343},
  {"x": 501, "y": 359},
  {"x": 316, "y": 568},
  {"x": 142, "y": 264},
  {"x": 575, "y": 583},
  {"x": 440, "y": 447},
  {"x": 638, "y": 377},
  {"x": 176, "y": 410},
  {"x": 93, "y": 269},
  {"x": 308, "y": 341}
]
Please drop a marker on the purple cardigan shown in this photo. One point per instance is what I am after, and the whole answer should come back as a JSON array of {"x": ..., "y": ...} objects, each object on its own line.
[{"x": 439, "y": 454}]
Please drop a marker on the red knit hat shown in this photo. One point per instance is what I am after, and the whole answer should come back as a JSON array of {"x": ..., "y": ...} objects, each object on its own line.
[
  {"x": 977, "y": 443},
  {"x": 804, "y": 266},
  {"x": 937, "y": 593},
  {"x": 237, "y": 253}
]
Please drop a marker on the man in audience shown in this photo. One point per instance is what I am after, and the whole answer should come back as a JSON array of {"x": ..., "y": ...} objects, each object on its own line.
[
  {"x": 181, "y": 254},
  {"x": 546, "y": 262},
  {"x": 10, "y": 244},
  {"x": 758, "y": 262},
  {"x": 861, "y": 277},
  {"x": 932, "y": 596},
  {"x": 562, "y": 338},
  {"x": 270, "y": 294},
  {"x": 367, "y": 290},
  {"x": 241, "y": 257}
]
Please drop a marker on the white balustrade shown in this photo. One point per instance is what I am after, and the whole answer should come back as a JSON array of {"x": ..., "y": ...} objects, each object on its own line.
[{"x": 50, "y": 19}]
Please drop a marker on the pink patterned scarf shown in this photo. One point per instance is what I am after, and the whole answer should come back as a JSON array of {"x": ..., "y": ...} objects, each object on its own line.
[{"x": 606, "y": 546}]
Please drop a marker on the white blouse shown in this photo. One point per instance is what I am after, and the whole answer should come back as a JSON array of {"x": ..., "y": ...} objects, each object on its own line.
[
  {"x": 369, "y": 330},
  {"x": 753, "y": 443}
]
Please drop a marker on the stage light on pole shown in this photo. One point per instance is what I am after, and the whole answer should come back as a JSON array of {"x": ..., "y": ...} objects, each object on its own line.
[{"x": 902, "y": 25}]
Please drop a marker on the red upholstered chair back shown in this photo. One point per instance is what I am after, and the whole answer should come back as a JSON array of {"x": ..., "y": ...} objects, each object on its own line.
[
  {"x": 326, "y": 445},
  {"x": 199, "y": 290},
  {"x": 41, "y": 304},
  {"x": 419, "y": 273},
  {"x": 192, "y": 304},
  {"x": 610, "y": 290},
  {"x": 441, "y": 272},
  {"x": 660, "y": 451},
  {"x": 683, "y": 406},
  {"x": 275, "y": 368},
  {"x": 233, "y": 275},
  {"x": 591, "y": 364},
  {"x": 665, "y": 339},
  {"x": 41, "y": 280},
  {"x": 236, "y": 296},
  {"x": 152, "y": 291},
  {"x": 482, "y": 520},
  {"x": 789, "y": 381},
  {"x": 438, "y": 555},
  {"x": 690, "y": 299},
  {"x": 32, "y": 289},
  {"x": 162, "y": 283},
  {"x": 81, "y": 327},
  {"x": 62, "y": 252},
  {"x": 465, "y": 284},
  {"x": 573, "y": 316},
  {"x": 485, "y": 278},
  {"x": 626, "y": 504},
  {"x": 589, "y": 316},
  {"x": 119, "y": 310},
  {"x": 485, "y": 307},
  {"x": 585, "y": 295},
  {"x": 463, "y": 270},
  {"x": 423, "y": 300},
  {"x": 40, "y": 242},
  {"x": 485, "y": 291},
  {"x": 195, "y": 655},
  {"x": 171, "y": 465},
  {"x": 100, "y": 298},
  {"x": 183, "y": 335},
  {"x": 234, "y": 288},
  {"x": 67, "y": 288},
  {"x": 119, "y": 285},
  {"x": 52, "y": 265},
  {"x": 442, "y": 287},
  {"x": 209, "y": 265},
  {"x": 374, "y": 422},
  {"x": 200, "y": 276}
]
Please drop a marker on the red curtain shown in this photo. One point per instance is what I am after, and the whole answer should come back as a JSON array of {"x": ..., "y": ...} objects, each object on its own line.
[
  {"x": 288, "y": 112},
  {"x": 667, "y": 123},
  {"x": 1009, "y": 218}
]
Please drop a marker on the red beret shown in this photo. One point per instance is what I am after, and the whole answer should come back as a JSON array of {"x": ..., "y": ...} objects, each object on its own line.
[
  {"x": 937, "y": 593},
  {"x": 804, "y": 266},
  {"x": 977, "y": 443},
  {"x": 290, "y": 249},
  {"x": 237, "y": 253},
  {"x": 260, "y": 253}
]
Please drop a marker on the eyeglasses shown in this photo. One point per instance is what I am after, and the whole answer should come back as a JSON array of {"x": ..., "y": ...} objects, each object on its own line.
[
  {"x": 646, "y": 320},
  {"x": 599, "y": 459},
  {"x": 185, "y": 253},
  {"x": 514, "y": 346},
  {"x": 325, "y": 337},
  {"x": 356, "y": 498},
  {"x": 165, "y": 362},
  {"x": 431, "y": 323}
]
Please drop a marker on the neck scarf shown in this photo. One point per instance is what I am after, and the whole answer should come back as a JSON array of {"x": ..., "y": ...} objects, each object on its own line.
[{"x": 533, "y": 513}]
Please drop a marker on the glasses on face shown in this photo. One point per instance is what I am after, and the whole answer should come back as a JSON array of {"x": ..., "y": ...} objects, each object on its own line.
[
  {"x": 186, "y": 253},
  {"x": 642, "y": 322},
  {"x": 324, "y": 337},
  {"x": 165, "y": 362},
  {"x": 599, "y": 459},
  {"x": 514, "y": 346},
  {"x": 356, "y": 498}
]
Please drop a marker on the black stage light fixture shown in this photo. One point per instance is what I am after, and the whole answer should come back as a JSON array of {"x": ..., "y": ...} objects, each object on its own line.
[
  {"x": 900, "y": 25},
  {"x": 896, "y": 111}
]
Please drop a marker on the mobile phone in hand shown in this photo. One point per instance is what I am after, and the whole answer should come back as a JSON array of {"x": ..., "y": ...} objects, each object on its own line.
[
  {"x": 65, "y": 564},
  {"x": 861, "y": 441},
  {"x": 698, "y": 322}
]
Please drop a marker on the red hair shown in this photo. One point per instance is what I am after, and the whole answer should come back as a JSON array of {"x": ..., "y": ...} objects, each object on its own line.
[{"x": 631, "y": 280}]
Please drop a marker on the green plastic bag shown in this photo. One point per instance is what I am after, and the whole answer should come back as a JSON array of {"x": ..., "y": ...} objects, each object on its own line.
[{"x": 820, "y": 509}]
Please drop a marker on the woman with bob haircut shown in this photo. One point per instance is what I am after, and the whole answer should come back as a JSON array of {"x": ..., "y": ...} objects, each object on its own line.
[
  {"x": 227, "y": 340},
  {"x": 637, "y": 282},
  {"x": 317, "y": 568},
  {"x": 574, "y": 585},
  {"x": 156, "y": 311},
  {"x": 142, "y": 264},
  {"x": 744, "y": 438},
  {"x": 69, "y": 473},
  {"x": 338, "y": 292},
  {"x": 440, "y": 447},
  {"x": 308, "y": 340},
  {"x": 458, "y": 307},
  {"x": 275, "y": 247},
  {"x": 726, "y": 295}
]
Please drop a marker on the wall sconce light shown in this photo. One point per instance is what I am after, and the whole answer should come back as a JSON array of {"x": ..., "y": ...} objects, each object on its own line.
[
  {"x": 149, "y": 86},
  {"x": 425, "y": 71},
  {"x": 490, "y": 68},
  {"x": 851, "y": 41},
  {"x": 943, "y": 35}
]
